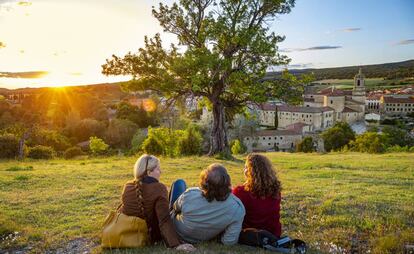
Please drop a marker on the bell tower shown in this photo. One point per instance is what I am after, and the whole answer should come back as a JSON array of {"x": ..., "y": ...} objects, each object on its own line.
[{"x": 358, "y": 93}]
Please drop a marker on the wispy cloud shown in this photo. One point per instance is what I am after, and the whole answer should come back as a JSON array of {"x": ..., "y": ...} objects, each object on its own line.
[
  {"x": 28, "y": 74},
  {"x": 351, "y": 29},
  {"x": 286, "y": 50},
  {"x": 405, "y": 42},
  {"x": 2, "y": 45}
]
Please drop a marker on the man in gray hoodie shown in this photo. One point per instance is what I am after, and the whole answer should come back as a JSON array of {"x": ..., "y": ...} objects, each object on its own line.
[{"x": 210, "y": 211}]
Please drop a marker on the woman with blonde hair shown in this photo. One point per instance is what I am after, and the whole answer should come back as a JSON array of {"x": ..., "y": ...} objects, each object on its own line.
[
  {"x": 145, "y": 197},
  {"x": 260, "y": 195}
]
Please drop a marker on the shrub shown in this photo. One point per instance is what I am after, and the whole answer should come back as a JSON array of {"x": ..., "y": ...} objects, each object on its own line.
[
  {"x": 73, "y": 152},
  {"x": 97, "y": 146},
  {"x": 369, "y": 142},
  {"x": 120, "y": 133},
  {"x": 167, "y": 138},
  {"x": 50, "y": 138},
  {"x": 306, "y": 145},
  {"x": 138, "y": 140},
  {"x": 41, "y": 152},
  {"x": 9, "y": 146},
  {"x": 337, "y": 136},
  {"x": 152, "y": 146},
  {"x": 190, "y": 143},
  {"x": 238, "y": 147}
]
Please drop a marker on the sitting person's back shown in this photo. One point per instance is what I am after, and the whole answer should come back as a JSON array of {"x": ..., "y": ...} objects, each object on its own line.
[
  {"x": 202, "y": 214},
  {"x": 260, "y": 195}
]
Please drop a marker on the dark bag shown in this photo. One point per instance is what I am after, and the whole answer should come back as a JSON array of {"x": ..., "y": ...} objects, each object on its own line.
[{"x": 268, "y": 241}]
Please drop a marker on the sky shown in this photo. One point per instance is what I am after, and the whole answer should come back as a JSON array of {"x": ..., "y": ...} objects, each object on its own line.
[{"x": 58, "y": 43}]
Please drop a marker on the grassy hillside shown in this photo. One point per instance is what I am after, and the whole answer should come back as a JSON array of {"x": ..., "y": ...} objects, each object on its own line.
[{"x": 333, "y": 201}]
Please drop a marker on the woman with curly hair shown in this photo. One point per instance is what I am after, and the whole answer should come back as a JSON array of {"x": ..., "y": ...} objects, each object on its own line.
[{"x": 260, "y": 195}]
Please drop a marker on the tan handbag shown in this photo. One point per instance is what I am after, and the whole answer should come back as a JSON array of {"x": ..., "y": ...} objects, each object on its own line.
[{"x": 123, "y": 231}]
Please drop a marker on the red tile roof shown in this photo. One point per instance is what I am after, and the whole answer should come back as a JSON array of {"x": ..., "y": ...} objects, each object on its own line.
[
  {"x": 347, "y": 110},
  {"x": 301, "y": 109},
  {"x": 390, "y": 99}
]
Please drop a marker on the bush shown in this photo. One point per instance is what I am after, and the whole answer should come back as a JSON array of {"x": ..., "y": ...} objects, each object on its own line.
[
  {"x": 190, "y": 143},
  {"x": 238, "y": 147},
  {"x": 41, "y": 152},
  {"x": 152, "y": 146},
  {"x": 138, "y": 140},
  {"x": 73, "y": 152},
  {"x": 50, "y": 138},
  {"x": 120, "y": 133},
  {"x": 337, "y": 136},
  {"x": 97, "y": 146},
  {"x": 306, "y": 145},
  {"x": 9, "y": 146},
  {"x": 369, "y": 142}
]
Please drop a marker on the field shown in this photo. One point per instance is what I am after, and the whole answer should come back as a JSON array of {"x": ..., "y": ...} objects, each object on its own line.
[
  {"x": 370, "y": 83},
  {"x": 335, "y": 202}
]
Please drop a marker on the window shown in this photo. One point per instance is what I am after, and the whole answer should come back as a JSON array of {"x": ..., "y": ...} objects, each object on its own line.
[
  {"x": 270, "y": 138},
  {"x": 281, "y": 138},
  {"x": 331, "y": 101},
  {"x": 247, "y": 138},
  {"x": 275, "y": 137},
  {"x": 269, "y": 144},
  {"x": 264, "y": 138}
]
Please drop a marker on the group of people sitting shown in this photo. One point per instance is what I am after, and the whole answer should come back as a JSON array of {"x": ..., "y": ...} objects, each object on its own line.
[{"x": 211, "y": 212}]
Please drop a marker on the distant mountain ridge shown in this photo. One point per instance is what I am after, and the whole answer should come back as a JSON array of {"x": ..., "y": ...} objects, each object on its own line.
[{"x": 394, "y": 70}]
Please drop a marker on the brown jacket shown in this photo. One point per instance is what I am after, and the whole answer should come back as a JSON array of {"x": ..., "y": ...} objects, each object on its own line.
[{"x": 156, "y": 208}]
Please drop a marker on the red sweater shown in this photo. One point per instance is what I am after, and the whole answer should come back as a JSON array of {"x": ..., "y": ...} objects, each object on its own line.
[{"x": 260, "y": 213}]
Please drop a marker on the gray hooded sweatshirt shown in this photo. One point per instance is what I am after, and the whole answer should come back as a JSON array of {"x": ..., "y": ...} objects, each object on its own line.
[{"x": 197, "y": 220}]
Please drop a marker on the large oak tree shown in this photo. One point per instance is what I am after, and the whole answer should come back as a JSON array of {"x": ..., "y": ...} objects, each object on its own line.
[{"x": 224, "y": 49}]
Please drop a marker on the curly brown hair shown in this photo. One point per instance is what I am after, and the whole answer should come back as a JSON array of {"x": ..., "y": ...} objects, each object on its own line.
[
  {"x": 261, "y": 177},
  {"x": 215, "y": 183}
]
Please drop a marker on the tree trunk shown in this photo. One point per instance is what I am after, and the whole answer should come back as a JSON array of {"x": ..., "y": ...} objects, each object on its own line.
[
  {"x": 218, "y": 138},
  {"x": 276, "y": 118}
]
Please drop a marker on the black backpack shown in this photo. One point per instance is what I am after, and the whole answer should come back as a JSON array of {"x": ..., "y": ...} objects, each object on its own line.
[{"x": 268, "y": 241}]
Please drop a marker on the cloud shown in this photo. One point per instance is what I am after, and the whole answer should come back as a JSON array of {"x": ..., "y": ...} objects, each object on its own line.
[
  {"x": 308, "y": 49},
  {"x": 405, "y": 42},
  {"x": 28, "y": 74},
  {"x": 2, "y": 45},
  {"x": 352, "y": 29}
]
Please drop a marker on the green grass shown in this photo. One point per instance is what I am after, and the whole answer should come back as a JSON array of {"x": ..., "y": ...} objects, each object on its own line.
[{"x": 332, "y": 201}]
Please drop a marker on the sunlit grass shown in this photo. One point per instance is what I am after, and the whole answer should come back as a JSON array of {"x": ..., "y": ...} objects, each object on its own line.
[{"x": 332, "y": 201}]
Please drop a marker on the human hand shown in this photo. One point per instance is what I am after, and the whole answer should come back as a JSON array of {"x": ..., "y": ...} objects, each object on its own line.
[{"x": 185, "y": 247}]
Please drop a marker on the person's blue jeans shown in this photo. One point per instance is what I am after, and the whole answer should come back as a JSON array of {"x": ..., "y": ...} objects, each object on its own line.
[{"x": 177, "y": 188}]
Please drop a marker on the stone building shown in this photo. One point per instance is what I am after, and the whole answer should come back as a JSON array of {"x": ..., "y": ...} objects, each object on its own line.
[
  {"x": 349, "y": 105},
  {"x": 397, "y": 105},
  {"x": 271, "y": 140}
]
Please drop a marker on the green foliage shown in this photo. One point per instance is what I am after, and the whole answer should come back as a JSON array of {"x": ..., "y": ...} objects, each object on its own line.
[
  {"x": 72, "y": 152},
  {"x": 135, "y": 114},
  {"x": 82, "y": 130},
  {"x": 398, "y": 149},
  {"x": 306, "y": 145},
  {"x": 238, "y": 147},
  {"x": 190, "y": 142},
  {"x": 152, "y": 146},
  {"x": 396, "y": 136},
  {"x": 368, "y": 142},
  {"x": 120, "y": 133},
  {"x": 228, "y": 48},
  {"x": 97, "y": 146},
  {"x": 166, "y": 138},
  {"x": 138, "y": 140},
  {"x": 41, "y": 152},
  {"x": 337, "y": 136},
  {"x": 50, "y": 138},
  {"x": 9, "y": 146}
]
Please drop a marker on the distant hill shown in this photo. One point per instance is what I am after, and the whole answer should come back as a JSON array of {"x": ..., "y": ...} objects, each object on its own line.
[
  {"x": 396, "y": 70},
  {"x": 106, "y": 91}
]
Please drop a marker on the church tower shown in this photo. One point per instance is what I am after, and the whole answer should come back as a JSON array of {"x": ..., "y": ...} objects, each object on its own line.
[{"x": 358, "y": 93}]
